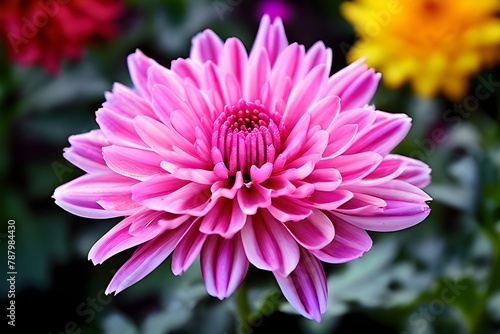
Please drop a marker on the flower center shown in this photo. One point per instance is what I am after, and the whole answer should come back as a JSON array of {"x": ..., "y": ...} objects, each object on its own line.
[{"x": 246, "y": 135}]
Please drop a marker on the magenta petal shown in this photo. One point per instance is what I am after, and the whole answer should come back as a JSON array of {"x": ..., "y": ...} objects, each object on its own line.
[
  {"x": 254, "y": 197},
  {"x": 350, "y": 243},
  {"x": 119, "y": 238},
  {"x": 233, "y": 60},
  {"x": 86, "y": 151},
  {"x": 134, "y": 163},
  {"x": 324, "y": 112},
  {"x": 188, "y": 249},
  {"x": 301, "y": 98},
  {"x": 318, "y": 54},
  {"x": 324, "y": 179},
  {"x": 225, "y": 219},
  {"x": 288, "y": 208},
  {"x": 268, "y": 244},
  {"x": 261, "y": 174},
  {"x": 206, "y": 46},
  {"x": 81, "y": 196},
  {"x": 362, "y": 204},
  {"x": 314, "y": 232},
  {"x": 223, "y": 265},
  {"x": 271, "y": 37},
  {"x": 127, "y": 102},
  {"x": 258, "y": 69},
  {"x": 153, "y": 133},
  {"x": 343, "y": 139},
  {"x": 384, "y": 136},
  {"x": 329, "y": 200},
  {"x": 305, "y": 288},
  {"x": 395, "y": 216},
  {"x": 167, "y": 193},
  {"x": 118, "y": 129},
  {"x": 138, "y": 65},
  {"x": 416, "y": 172},
  {"x": 354, "y": 167},
  {"x": 146, "y": 258},
  {"x": 361, "y": 91}
]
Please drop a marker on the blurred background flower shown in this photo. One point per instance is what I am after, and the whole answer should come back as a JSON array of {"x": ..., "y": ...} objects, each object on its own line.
[
  {"x": 436, "y": 45},
  {"x": 275, "y": 8},
  {"x": 441, "y": 276},
  {"x": 44, "y": 32}
]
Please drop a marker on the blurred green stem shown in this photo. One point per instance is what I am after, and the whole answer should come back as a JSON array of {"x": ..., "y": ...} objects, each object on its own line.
[{"x": 243, "y": 308}]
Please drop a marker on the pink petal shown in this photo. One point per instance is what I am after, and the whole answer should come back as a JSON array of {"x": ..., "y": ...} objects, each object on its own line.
[
  {"x": 318, "y": 54},
  {"x": 127, "y": 102},
  {"x": 416, "y": 172},
  {"x": 305, "y": 288},
  {"x": 161, "y": 76},
  {"x": 223, "y": 265},
  {"x": 146, "y": 258},
  {"x": 389, "y": 169},
  {"x": 188, "y": 249},
  {"x": 328, "y": 200},
  {"x": 206, "y": 46},
  {"x": 361, "y": 90},
  {"x": 167, "y": 193},
  {"x": 258, "y": 69},
  {"x": 81, "y": 196},
  {"x": 356, "y": 166},
  {"x": 288, "y": 65},
  {"x": 118, "y": 238},
  {"x": 152, "y": 133},
  {"x": 362, "y": 204},
  {"x": 354, "y": 84},
  {"x": 254, "y": 197},
  {"x": 341, "y": 141},
  {"x": 214, "y": 85},
  {"x": 259, "y": 175},
  {"x": 362, "y": 117},
  {"x": 271, "y": 37},
  {"x": 166, "y": 101},
  {"x": 233, "y": 60},
  {"x": 286, "y": 208},
  {"x": 225, "y": 219},
  {"x": 86, "y": 151},
  {"x": 396, "y": 216},
  {"x": 138, "y": 65},
  {"x": 187, "y": 68},
  {"x": 268, "y": 244},
  {"x": 350, "y": 243},
  {"x": 394, "y": 190},
  {"x": 314, "y": 232},
  {"x": 324, "y": 112},
  {"x": 384, "y": 136},
  {"x": 134, "y": 163},
  {"x": 302, "y": 97},
  {"x": 327, "y": 179},
  {"x": 118, "y": 129}
]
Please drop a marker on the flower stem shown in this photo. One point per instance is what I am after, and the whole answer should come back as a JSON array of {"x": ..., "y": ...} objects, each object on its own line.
[{"x": 243, "y": 308}]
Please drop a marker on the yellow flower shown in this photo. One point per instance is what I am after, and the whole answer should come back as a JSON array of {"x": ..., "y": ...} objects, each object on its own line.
[{"x": 437, "y": 45}]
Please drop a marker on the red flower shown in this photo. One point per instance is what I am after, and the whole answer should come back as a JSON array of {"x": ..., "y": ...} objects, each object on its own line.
[{"x": 44, "y": 32}]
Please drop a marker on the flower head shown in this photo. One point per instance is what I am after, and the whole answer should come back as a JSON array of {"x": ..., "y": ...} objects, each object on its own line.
[
  {"x": 45, "y": 32},
  {"x": 437, "y": 45},
  {"x": 259, "y": 158}
]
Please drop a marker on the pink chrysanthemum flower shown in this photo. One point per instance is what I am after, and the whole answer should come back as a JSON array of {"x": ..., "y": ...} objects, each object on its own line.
[{"x": 258, "y": 158}]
